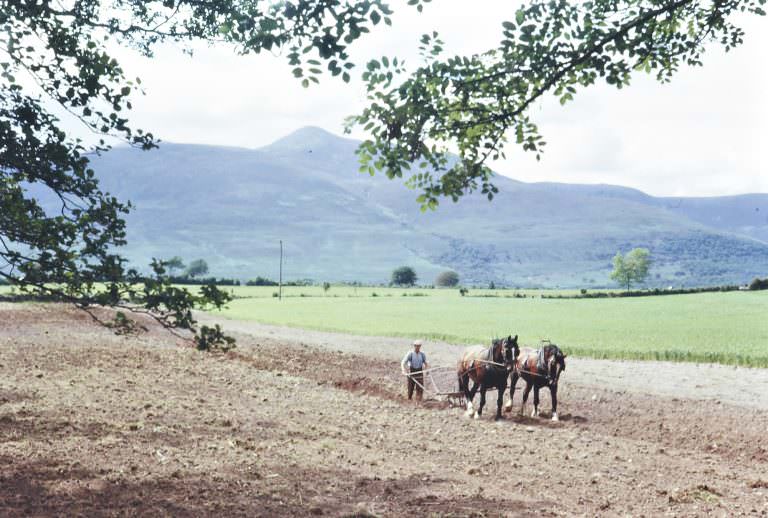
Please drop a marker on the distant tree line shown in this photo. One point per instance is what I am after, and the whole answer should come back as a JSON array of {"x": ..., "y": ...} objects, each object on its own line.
[
  {"x": 643, "y": 293},
  {"x": 200, "y": 281},
  {"x": 261, "y": 281}
]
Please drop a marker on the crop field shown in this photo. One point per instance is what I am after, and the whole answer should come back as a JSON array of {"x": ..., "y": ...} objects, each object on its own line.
[{"x": 729, "y": 328}]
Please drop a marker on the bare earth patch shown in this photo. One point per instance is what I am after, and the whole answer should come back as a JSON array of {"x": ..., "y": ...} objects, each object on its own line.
[{"x": 96, "y": 424}]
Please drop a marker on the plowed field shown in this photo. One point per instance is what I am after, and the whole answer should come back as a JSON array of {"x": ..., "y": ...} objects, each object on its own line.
[{"x": 293, "y": 423}]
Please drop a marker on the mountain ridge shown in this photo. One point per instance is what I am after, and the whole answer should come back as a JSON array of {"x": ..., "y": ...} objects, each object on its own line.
[{"x": 232, "y": 206}]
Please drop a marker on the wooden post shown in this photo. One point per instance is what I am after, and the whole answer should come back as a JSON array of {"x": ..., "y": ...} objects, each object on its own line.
[{"x": 280, "y": 290}]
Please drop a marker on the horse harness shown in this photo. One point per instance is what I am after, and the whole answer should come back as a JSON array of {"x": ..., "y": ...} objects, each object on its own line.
[
  {"x": 540, "y": 365},
  {"x": 489, "y": 362}
]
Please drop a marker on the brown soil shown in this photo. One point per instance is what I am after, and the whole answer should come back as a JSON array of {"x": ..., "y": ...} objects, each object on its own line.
[{"x": 97, "y": 424}]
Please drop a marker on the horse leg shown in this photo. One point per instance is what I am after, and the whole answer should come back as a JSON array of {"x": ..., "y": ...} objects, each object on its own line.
[
  {"x": 525, "y": 396},
  {"x": 501, "y": 387},
  {"x": 535, "y": 401},
  {"x": 553, "y": 393},
  {"x": 482, "y": 401},
  {"x": 472, "y": 392},
  {"x": 512, "y": 383},
  {"x": 464, "y": 387},
  {"x": 470, "y": 398}
]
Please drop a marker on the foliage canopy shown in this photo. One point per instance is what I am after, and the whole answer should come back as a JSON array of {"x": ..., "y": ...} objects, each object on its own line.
[
  {"x": 197, "y": 268},
  {"x": 476, "y": 104},
  {"x": 404, "y": 276},
  {"x": 631, "y": 269},
  {"x": 447, "y": 279}
]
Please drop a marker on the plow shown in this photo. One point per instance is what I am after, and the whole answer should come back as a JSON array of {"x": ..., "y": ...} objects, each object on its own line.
[{"x": 442, "y": 383}]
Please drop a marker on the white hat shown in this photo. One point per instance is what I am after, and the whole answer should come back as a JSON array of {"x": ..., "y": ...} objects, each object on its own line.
[{"x": 416, "y": 342}]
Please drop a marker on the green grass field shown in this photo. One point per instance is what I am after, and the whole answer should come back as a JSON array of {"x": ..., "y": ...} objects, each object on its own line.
[{"x": 729, "y": 328}]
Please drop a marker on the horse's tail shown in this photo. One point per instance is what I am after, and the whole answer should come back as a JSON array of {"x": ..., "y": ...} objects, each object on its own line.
[{"x": 461, "y": 374}]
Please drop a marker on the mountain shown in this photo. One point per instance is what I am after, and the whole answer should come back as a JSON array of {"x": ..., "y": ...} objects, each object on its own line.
[{"x": 232, "y": 206}]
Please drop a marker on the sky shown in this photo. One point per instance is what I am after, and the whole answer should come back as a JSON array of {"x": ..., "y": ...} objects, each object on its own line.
[{"x": 703, "y": 134}]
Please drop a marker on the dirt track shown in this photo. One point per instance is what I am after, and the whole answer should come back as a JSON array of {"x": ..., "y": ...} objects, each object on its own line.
[
  {"x": 96, "y": 424},
  {"x": 726, "y": 384}
]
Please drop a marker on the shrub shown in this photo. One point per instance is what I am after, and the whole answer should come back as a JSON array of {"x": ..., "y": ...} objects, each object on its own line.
[
  {"x": 463, "y": 291},
  {"x": 759, "y": 284},
  {"x": 212, "y": 339},
  {"x": 447, "y": 279}
]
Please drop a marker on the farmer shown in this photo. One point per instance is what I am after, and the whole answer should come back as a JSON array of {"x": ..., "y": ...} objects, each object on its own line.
[{"x": 414, "y": 362}]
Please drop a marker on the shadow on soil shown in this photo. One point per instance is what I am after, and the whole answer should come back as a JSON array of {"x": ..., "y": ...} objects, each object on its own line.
[{"x": 49, "y": 487}]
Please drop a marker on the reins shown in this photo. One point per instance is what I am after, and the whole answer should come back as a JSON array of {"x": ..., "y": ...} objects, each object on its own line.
[
  {"x": 470, "y": 369},
  {"x": 546, "y": 376},
  {"x": 490, "y": 363}
]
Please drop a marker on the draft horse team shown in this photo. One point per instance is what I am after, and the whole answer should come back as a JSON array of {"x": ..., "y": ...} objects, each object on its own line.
[{"x": 491, "y": 367}]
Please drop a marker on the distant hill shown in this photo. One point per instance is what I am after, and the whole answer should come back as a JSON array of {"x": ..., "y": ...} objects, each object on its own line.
[{"x": 232, "y": 206}]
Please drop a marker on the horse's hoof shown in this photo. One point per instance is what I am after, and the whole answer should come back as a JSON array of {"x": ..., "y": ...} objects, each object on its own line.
[
  {"x": 477, "y": 416},
  {"x": 554, "y": 416},
  {"x": 508, "y": 406}
]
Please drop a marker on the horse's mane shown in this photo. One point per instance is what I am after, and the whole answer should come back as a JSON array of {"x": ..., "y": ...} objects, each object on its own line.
[
  {"x": 554, "y": 352},
  {"x": 495, "y": 342}
]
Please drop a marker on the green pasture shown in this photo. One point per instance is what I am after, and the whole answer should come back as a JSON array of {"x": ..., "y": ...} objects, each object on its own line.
[{"x": 729, "y": 328}]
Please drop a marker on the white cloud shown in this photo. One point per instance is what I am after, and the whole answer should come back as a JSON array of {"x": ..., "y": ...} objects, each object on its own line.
[{"x": 700, "y": 135}]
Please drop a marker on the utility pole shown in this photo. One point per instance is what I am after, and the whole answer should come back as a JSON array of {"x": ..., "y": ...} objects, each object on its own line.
[{"x": 280, "y": 291}]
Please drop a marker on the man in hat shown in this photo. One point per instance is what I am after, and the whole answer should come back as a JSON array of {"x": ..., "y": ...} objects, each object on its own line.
[{"x": 413, "y": 364}]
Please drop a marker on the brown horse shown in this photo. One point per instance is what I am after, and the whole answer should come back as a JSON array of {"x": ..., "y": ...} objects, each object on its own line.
[
  {"x": 539, "y": 368},
  {"x": 486, "y": 367}
]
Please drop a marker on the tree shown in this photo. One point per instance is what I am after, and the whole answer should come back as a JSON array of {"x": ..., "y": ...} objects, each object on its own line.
[
  {"x": 404, "y": 276},
  {"x": 197, "y": 268},
  {"x": 174, "y": 264},
  {"x": 474, "y": 104},
  {"x": 447, "y": 279},
  {"x": 632, "y": 268},
  {"x": 60, "y": 234}
]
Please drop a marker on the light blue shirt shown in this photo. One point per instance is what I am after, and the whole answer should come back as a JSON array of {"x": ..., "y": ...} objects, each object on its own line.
[{"x": 416, "y": 360}]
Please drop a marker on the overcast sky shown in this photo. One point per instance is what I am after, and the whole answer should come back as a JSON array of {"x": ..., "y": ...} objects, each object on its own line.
[{"x": 702, "y": 135}]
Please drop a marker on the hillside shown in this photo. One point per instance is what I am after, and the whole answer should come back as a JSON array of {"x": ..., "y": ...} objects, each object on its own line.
[{"x": 232, "y": 206}]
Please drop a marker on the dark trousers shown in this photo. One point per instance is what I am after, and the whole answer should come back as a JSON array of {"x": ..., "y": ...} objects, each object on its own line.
[{"x": 412, "y": 383}]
